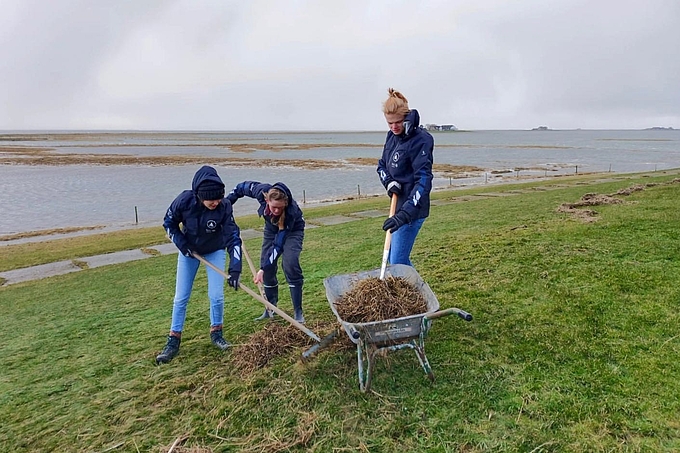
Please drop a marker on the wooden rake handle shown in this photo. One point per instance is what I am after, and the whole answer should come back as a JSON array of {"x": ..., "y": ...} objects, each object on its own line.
[
  {"x": 261, "y": 299},
  {"x": 388, "y": 239},
  {"x": 252, "y": 267}
]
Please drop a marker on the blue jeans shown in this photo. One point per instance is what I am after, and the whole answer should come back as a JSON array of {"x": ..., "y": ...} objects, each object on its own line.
[
  {"x": 186, "y": 272},
  {"x": 402, "y": 242}
]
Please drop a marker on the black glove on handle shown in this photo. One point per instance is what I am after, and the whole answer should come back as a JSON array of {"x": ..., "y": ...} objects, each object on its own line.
[
  {"x": 393, "y": 188},
  {"x": 186, "y": 252},
  {"x": 233, "y": 279},
  {"x": 395, "y": 222}
]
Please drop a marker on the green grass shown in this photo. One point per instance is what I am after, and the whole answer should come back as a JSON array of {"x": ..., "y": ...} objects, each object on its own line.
[
  {"x": 573, "y": 346},
  {"x": 28, "y": 254}
]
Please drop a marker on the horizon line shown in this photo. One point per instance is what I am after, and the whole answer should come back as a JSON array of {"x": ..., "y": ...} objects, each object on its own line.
[{"x": 308, "y": 131}]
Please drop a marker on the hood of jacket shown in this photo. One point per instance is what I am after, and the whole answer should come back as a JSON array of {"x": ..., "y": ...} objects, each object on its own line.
[
  {"x": 205, "y": 173},
  {"x": 283, "y": 188},
  {"x": 411, "y": 124}
]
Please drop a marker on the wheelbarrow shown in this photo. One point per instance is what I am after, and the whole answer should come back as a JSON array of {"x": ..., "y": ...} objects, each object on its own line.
[{"x": 380, "y": 337}]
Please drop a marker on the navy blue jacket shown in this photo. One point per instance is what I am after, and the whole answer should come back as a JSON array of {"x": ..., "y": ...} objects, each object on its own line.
[
  {"x": 203, "y": 230},
  {"x": 407, "y": 159},
  {"x": 294, "y": 220}
]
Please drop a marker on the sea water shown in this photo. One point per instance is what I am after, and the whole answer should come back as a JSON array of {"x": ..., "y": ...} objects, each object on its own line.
[{"x": 45, "y": 197}]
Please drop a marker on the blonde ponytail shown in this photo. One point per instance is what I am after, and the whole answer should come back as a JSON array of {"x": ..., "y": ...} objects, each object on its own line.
[{"x": 396, "y": 103}]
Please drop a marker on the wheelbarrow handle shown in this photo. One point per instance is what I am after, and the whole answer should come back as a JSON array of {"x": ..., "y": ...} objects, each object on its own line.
[{"x": 462, "y": 314}]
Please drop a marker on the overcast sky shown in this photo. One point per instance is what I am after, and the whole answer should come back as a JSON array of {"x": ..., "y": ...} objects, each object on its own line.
[{"x": 326, "y": 65}]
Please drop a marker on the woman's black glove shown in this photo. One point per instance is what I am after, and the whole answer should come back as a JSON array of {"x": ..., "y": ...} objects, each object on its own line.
[
  {"x": 393, "y": 188},
  {"x": 395, "y": 222},
  {"x": 233, "y": 279}
]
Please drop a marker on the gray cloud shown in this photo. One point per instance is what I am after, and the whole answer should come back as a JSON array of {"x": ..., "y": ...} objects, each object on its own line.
[{"x": 267, "y": 65}]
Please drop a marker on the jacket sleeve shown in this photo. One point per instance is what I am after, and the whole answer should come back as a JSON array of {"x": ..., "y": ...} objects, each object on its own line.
[
  {"x": 273, "y": 250},
  {"x": 422, "y": 175},
  {"x": 173, "y": 218},
  {"x": 234, "y": 250},
  {"x": 252, "y": 189},
  {"x": 385, "y": 177},
  {"x": 233, "y": 239}
]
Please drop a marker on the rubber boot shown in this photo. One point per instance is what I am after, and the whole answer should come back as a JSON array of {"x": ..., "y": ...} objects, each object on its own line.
[
  {"x": 272, "y": 295},
  {"x": 169, "y": 351},
  {"x": 296, "y": 297}
]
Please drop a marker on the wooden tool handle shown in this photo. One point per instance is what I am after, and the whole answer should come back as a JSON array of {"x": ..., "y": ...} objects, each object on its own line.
[
  {"x": 259, "y": 298},
  {"x": 252, "y": 267},
  {"x": 388, "y": 238}
]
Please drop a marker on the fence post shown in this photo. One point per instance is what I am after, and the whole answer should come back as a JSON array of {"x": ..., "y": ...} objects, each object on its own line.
[
  {"x": 358, "y": 191},
  {"x": 304, "y": 197},
  {"x": 136, "y": 217},
  {"x": 577, "y": 169}
]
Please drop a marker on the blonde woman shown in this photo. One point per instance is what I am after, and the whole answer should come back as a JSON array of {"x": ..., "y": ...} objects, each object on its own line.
[
  {"x": 405, "y": 169},
  {"x": 284, "y": 232}
]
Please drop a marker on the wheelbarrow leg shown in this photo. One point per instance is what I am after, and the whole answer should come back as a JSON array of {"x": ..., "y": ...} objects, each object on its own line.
[
  {"x": 360, "y": 361},
  {"x": 420, "y": 353},
  {"x": 366, "y": 360},
  {"x": 371, "y": 367},
  {"x": 419, "y": 348}
]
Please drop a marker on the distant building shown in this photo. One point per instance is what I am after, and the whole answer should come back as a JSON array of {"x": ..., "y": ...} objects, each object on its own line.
[{"x": 443, "y": 127}]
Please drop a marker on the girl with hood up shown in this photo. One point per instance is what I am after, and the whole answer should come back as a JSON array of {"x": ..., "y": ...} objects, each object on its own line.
[
  {"x": 284, "y": 232},
  {"x": 200, "y": 220}
]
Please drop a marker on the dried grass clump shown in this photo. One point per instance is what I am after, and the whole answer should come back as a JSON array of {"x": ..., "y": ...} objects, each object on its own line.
[
  {"x": 629, "y": 190},
  {"x": 176, "y": 448},
  {"x": 150, "y": 251},
  {"x": 589, "y": 199},
  {"x": 593, "y": 199},
  {"x": 274, "y": 340},
  {"x": 373, "y": 299}
]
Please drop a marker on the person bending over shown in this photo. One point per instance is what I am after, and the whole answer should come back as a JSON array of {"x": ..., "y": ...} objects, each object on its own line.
[
  {"x": 201, "y": 221},
  {"x": 284, "y": 232}
]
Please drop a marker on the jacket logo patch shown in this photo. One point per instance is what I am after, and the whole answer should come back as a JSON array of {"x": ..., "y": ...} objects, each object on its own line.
[
  {"x": 211, "y": 224},
  {"x": 395, "y": 156}
]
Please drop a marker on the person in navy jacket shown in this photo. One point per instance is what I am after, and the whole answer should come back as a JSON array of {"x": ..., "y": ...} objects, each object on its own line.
[
  {"x": 201, "y": 221},
  {"x": 405, "y": 169},
  {"x": 284, "y": 232}
]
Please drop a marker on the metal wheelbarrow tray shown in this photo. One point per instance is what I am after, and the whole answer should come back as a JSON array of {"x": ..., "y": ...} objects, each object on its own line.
[{"x": 374, "y": 338}]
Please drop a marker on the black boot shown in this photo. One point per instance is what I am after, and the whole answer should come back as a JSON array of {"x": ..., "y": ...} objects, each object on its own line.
[
  {"x": 218, "y": 340},
  {"x": 296, "y": 297},
  {"x": 169, "y": 351},
  {"x": 272, "y": 295}
]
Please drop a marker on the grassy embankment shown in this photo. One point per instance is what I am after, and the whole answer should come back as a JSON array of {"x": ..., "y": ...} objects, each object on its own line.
[{"x": 573, "y": 347}]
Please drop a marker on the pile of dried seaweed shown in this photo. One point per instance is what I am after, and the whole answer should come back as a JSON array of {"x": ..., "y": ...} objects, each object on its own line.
[
  {"x": 372, "y": 299},
  {"x": 275, "y": 339}
]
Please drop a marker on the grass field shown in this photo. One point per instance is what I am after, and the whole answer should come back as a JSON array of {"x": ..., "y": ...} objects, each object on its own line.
[{"x": 573, "y": 347}]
